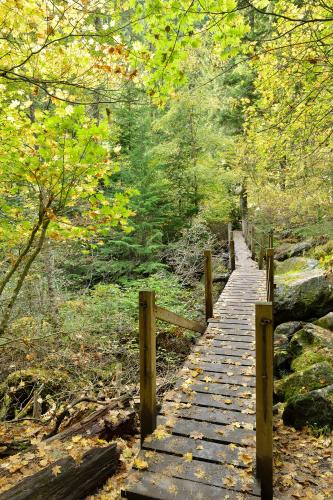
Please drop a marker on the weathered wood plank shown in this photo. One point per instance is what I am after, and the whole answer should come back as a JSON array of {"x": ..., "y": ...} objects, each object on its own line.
[
  {"x": 219, "y": 453},
  {"x": 211, "y": 400},
  {"x": 223, "y": 368},
  {"x": 233, "y": 478},
  {"x": 204, "y": 414},
  {"x": 149, "y": 485},
  {"x": 210, "y": 431}
]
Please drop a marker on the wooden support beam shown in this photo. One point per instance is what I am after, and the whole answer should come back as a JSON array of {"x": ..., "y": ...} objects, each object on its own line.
[
  {"x": 270, "y": 274},
  {"x": 208, "y": 285},
  {"x": 271, "y": 239},
  {"x": 264, "y": 397},
  {"x": 261, "y": 252},
  {"x": 253, "y": 243},
  {"x": 232, "y": 255},
  {"x": 229, "y": 232},
  {"x": 175, "y": 319},
  {"x": 147, "y": 339}
]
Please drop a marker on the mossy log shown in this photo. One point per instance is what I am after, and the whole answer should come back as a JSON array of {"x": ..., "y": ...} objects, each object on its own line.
[{"x": 75, "y": 481}]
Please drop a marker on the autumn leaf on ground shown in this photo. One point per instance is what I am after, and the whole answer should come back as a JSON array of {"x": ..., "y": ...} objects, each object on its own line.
[
  {"x": 229, "y": 481},
  {"x": 200, "y": 473},
  {"x": 140, "y": 464},
  {"x": 245, "y": 458},
  {"x": 160, "y": 433},
  {"x": 188, "y": 457},
  {"x": 76, "y": 439},
  {"x": 56, "y": 470},
  {"x": 196, "y": 435}
]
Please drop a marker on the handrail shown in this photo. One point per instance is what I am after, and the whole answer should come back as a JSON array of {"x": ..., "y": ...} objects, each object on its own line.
[
  {"x": 173, "y": 318},
  {"x": 149, "y": 312}
]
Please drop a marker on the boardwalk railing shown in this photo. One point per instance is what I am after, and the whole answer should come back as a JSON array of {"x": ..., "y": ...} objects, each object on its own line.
[
  {"x": 264, "y": 323},
  {"x": 149, "y": 312}
]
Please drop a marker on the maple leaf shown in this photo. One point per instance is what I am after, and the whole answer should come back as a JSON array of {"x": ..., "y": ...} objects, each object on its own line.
[
  {"x": 229, "y": 481},
  {"x": 188, "y": 457},
  {"x": 56, "y": 470},
  {"x": 245, "y": 458},
  {"x": 160, "y": 432},
  {"x": 140, "y": 464}
]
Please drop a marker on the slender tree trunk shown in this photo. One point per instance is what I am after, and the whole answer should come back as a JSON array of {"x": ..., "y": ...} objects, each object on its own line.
[
  {"x": 8, "y": 309},
  {"x": 52, "y": 294},
  {"x": 243, "y": 202}
]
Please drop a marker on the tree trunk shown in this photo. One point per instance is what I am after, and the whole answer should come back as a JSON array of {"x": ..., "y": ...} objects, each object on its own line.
[
  {"x": 74, "y": 481},
  {"x": 52, "y": 294},
  {"x": 8, "y": 309}
]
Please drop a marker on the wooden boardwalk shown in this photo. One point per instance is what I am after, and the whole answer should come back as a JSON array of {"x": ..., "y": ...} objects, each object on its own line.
[{"x": 204, "y": 445}]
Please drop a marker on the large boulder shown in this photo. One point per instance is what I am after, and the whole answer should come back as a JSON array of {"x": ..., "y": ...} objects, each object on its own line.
[
  {"x": 326, "y": 321},
  {"x": 287, "y": 250},
  {"x": 313, "y": 408},
  {"x": 303, "y": 290},
  {"x": 282, "y": 362},
  {"x": 310, "y": 335},
  {"x": 288, "y": 329},
  {"x": 316, "y": 376},
  {"x": 311, "y": 356}
]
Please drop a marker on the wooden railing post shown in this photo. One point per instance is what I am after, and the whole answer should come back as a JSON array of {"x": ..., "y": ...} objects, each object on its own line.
[
  {"x": 261, "y": 252},
  {"x": 232, "y": 256},
  {"x": 270, "y": 274},
  {"x": 229, "y": 232},
  {"x": 271, "y": 239},
  {"x": 264, "y": 397},
  {"x": 253, "y": 244},
  {"x": 147, "y": 339},
  {"x": 208, "y": 284}
]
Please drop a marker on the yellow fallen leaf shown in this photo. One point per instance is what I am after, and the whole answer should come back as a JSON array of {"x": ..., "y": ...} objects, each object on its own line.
[
  {"x": 245, "y": 458},
  {"x": 43, "y": 462},
  {"x": 196, "y": 435},
  {"x": 188, "y": 457},
  {"x": 140, "y": 464},
  {"x": 76, "y": 439},
  {"x": 56, "y": 470}
]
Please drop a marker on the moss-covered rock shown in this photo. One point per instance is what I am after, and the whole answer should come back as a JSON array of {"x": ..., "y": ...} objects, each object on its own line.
[
  {"x": 326, "y": 321},
  {"x": 16, "y": 392},
  {"x": 310, "y": 357},
  {"x": 301, "y": 294},
  {"x": 313, "y": 408},
  {"x": 310, "y": 335},
  {"x": 282, "y": 362},
  {"x": 286, "y": 250},
  {"x": 316, "y": 376},
  {"x": 289, "y": 328},
  {"x": 296, "y": 265}
]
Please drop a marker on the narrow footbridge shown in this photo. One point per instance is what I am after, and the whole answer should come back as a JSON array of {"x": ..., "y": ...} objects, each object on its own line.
[{"x": 213, "y": 432}]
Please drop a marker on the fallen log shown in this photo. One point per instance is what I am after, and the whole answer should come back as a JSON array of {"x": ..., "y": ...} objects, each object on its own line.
[
  {"x": 73, "y": 481},
  {"x": 97, "y": 423}
]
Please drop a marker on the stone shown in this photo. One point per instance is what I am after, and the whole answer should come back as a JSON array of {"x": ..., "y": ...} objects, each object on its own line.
[
  {"x": 302, "y": 293},
  {"x": 313, "y": 408},
  {"x": 280, "y": 341},
  {"x": 288, "y": 329},
  {"x": 311, "y": 356},
  {"x": 310, "y": 335},
  {"x": 315, "y": 377},
  {"x": 282, "y": 362},
  {"x": 287, "y": 250},
  {"x": 326, "y": 321}
]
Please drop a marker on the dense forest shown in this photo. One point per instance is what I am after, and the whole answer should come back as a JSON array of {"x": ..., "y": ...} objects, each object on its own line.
[{"x": 132, "y": 132}]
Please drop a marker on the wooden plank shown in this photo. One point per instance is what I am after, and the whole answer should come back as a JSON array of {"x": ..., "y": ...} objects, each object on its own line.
[
  {"x": 234, "y": 478},
  {"x": 213, "y": 415},
  {"x": 224, "y": 351},
  {"x": 219, "y": 453},
  {"x": 264, "y": 396},
  {"x": 213, "y": 388},
  {"x": 147, "y": 341},
  {"x": 212, "y": 432},
  {"x": 142, "y": 485},
  {"x": 225, "y": 360},
  {"x": 226, "y": 378},
  {"x": 212, "y": 400},
  {"x": 223, "y": 343},
  {"x": 223, "y": 368},
  {"x": 175, "y": 319}
]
